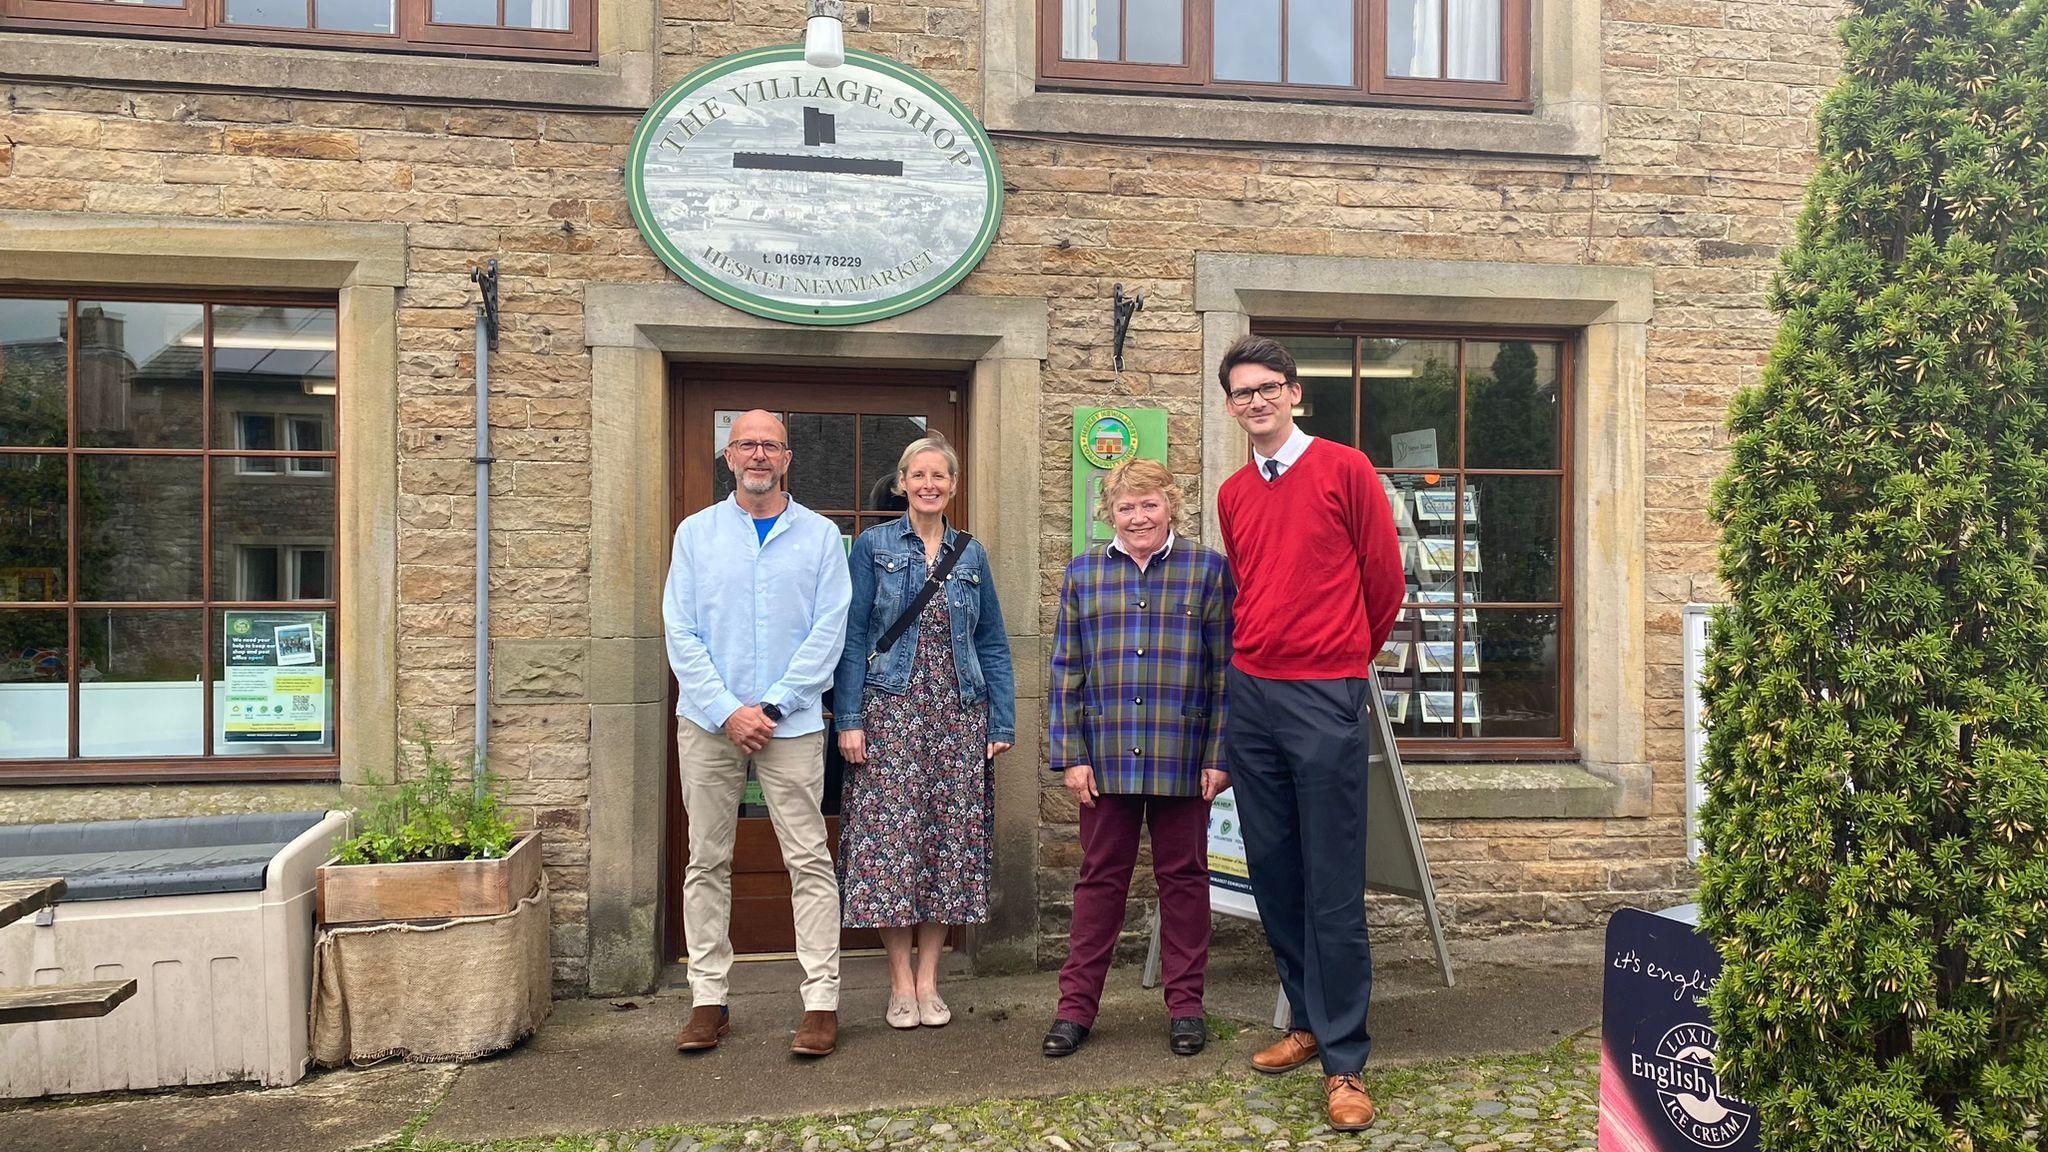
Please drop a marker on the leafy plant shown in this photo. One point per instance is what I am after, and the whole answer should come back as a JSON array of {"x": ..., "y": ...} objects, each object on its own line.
[
  {"x": 1876, "y": 831},
  {"x": 431, "y": 814}
]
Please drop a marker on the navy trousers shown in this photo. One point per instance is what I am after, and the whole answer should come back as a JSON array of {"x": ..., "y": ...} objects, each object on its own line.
[{"x": 1297, "y": 751}]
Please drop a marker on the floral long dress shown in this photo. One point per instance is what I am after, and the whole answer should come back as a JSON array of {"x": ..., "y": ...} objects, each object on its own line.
[{"x": 917, "y": 821}]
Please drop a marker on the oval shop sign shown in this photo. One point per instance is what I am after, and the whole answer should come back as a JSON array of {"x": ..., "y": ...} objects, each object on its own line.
[{"x": 814, "y": 196}]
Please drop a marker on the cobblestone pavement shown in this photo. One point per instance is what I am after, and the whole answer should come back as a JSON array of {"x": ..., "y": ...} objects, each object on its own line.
[{"x": 1540, "y": 1103}]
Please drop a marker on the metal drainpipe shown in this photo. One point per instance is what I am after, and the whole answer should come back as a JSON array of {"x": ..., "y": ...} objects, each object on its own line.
[{"x": 486, "y": 279}]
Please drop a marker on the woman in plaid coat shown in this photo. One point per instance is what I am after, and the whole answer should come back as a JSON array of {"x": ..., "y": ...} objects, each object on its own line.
[{"x": 1137, "y": 721}]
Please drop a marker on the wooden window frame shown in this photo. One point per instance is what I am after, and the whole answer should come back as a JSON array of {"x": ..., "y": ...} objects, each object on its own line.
[
  {"x": 1458, "y": 746},
  {"x": 208, "y": 766},
  {"x": 1370, "y": 82},
  {"x": 415, "y": 32}
]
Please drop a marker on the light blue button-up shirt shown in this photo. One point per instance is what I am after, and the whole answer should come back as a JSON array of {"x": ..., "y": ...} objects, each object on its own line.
[{"x": 754, "y": 621}]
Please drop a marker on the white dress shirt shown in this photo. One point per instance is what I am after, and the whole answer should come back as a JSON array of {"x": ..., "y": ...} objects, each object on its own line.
[{"x": 1297, "y": 443}]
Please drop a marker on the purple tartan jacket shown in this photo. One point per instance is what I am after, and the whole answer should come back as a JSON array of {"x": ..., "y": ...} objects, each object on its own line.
[{"x": 1137, "y": 669}]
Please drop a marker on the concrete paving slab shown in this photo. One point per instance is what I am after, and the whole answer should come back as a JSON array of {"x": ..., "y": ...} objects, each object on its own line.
[{"x": 327, "y": 1112}]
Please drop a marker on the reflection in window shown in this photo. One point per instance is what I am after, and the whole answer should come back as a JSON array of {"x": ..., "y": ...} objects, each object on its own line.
[
  {"x": 1468, "y": 437},
  {"x": 106, "y": 443}
]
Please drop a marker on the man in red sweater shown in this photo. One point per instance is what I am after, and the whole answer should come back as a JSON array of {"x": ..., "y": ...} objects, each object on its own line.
[{"x": 1319, "y": 577}]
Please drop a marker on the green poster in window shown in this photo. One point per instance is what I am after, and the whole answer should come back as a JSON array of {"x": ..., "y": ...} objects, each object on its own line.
[
  {"x": 276, "y": 669},
  {"x": 1104, "y": 438}
]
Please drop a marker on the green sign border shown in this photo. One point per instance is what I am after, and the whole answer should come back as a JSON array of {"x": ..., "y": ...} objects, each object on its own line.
[{"x": 724, "y": 293}]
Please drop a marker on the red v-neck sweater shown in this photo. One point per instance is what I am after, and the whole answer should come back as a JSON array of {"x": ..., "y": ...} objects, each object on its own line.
[{"x": 1318, "y": 565}]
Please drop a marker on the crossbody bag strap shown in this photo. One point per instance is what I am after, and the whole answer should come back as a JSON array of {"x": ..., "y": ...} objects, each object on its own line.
[{"x": 924, "y": 596}]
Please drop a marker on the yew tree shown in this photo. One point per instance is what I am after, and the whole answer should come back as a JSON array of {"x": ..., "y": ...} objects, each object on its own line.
[{"x": 1876, "y": 832}]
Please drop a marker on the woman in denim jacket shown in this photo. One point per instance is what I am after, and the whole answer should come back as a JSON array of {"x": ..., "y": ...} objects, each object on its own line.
[{"x": 919, "y": 727}]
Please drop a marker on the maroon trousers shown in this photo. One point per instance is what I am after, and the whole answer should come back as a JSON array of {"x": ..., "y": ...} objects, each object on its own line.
[{"x": 1180, "y": 864}]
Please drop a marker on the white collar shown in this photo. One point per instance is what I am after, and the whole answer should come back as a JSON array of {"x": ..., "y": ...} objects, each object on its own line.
[
  {"x": 1166, "y": 549},
  {"x": 1297, "y": 443}
]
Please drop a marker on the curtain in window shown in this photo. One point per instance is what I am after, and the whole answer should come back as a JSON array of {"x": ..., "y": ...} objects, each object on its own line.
[
  {"x": 1474, "y": 40},
  {"x": 550, "y": 14},
  {"x": 1078, "y": 30}
]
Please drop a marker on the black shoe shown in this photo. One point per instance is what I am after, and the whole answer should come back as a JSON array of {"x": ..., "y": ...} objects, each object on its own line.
[
  {"x": 1064, "y": 1037},
  {"x": 1187, "y": 1034}
]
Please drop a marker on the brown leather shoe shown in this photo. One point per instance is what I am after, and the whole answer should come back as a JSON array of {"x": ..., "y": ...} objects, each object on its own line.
[
  {"x": 1351, "y": 1109},
  {"x": 1290, "y": 1052},
  {"x": 817, "y": 1035},
  {"x": 707, "y": 1023}
]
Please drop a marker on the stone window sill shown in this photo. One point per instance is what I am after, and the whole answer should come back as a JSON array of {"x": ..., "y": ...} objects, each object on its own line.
[
  {"x": 1554, "y": 129},
  {"x": 619, "y": 81},
  {"x": 1514, "y": 791}
]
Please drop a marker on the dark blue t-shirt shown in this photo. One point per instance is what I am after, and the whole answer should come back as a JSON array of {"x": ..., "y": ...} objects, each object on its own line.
[{"x": 763, "y": 527}]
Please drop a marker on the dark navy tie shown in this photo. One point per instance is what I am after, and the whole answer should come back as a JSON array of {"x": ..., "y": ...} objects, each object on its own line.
[{"x": 1273, "y": 469}]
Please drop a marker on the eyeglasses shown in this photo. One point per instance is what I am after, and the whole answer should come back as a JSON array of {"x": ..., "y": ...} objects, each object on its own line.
[
  {"x": 749, "y": 447},
  {"x": 1270, "y": 390}
]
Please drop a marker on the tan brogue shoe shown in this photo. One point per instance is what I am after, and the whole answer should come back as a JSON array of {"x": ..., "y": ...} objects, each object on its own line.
[
  {"x": 1351, "y": 1109},
  {"x": 817, "y": 1035},
  {"x": 707, "y": 1023},
  {"x": 1292, "y": 1051}
]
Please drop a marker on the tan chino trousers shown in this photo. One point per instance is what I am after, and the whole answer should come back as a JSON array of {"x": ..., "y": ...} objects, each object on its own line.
[{"x": 792, "y": 774}]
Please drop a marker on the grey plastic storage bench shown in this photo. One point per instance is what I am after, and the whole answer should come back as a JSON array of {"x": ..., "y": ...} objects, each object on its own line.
[{"x": 211, "y": 915}]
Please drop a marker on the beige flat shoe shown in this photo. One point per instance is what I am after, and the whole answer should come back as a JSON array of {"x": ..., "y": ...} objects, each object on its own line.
[
  {"x": 932, "y": 1011},
  {"x": 902, "y": 1012}
]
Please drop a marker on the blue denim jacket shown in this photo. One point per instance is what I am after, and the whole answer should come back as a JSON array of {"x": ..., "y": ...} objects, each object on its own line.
[{"x": 887, "y": 566}]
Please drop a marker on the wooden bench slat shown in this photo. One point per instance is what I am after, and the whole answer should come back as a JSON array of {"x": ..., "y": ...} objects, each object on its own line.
[
  {"x": 20, "y": 898},
  {"x": 62, "y": 1001}
]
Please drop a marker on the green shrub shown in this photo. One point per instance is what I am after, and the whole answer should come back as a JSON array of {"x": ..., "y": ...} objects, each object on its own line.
[
  {"x": 431, "y": 815},
  {"x": 1876, "y": 832}
]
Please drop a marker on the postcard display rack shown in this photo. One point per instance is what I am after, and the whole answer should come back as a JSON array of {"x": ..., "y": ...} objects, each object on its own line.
[{"x": 1419, "y": 663}]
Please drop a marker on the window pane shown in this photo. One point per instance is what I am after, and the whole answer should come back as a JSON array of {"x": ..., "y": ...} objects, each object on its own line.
[
  {"x": 35, "y": 712},
  {"x": 274, "y": 514},
  {"x": 1517, "y": 684},
  {"x": 465, "y": 11},
  {"x": 270, "y": 363},
  {"x": 139, "y": 374},
  {"x": 1327, "y": 387},
  {"x": 34, "y": 493},
  {"x": 1516, "y": 536},
  {"x": 1319, "y": 41},
  {"x": 882, "y": 441},
  {"x": 1414, "y": 38},
  {"x": 821, "y": 469},
  {"x": 354, "y": 15},
  {"x": 1475, "y": 40},
  {"x": 33, "y": 368},
  {"x": 1512, "y": 413},
  {"x": 1154, "y": 36},
  {"x": 1247, "y": 40},
  {"x": 1088, "y": 29},
  {"x": 309, "y": 574},
  {"x": 273, "y": 683},
  {"x": 549, "y": 14},
  {"x": 267, "y": 13},
  {"x": 1408, "y": 393},
  {"x": 1424, "y": 512},
  {"x": 138, "y": 527},
  {"x": 138, "y": 672}
]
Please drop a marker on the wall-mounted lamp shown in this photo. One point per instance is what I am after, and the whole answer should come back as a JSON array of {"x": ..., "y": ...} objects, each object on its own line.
[{"x": 825, "y": 34}]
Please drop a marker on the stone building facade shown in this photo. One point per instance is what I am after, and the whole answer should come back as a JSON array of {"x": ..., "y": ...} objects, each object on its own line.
[{"x": 1632, "y": 211}]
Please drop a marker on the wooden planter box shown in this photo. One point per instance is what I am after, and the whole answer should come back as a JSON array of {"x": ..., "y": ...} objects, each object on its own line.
[{"x": 427, "y": 890}]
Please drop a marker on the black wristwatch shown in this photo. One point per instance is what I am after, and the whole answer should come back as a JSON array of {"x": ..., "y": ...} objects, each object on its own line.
[{"x": 772, "y": 711}]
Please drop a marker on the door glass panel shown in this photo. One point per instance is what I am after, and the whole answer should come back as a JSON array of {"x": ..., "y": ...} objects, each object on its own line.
[
  {"x": 882, "y": 441},
  {"x": 821, "y": 460}
]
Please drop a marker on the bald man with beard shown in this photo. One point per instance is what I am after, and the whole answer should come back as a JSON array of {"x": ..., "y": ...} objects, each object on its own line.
[{"x": 755, "y": 615}]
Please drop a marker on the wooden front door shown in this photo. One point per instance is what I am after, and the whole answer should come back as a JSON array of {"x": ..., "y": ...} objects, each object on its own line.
[{"x": 846, "y": 430}]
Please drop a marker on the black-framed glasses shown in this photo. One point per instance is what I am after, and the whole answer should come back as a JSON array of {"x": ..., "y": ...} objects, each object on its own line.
[
  {"x": 1270, "y": 390},
  {"x": 749, "y": 447}
]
